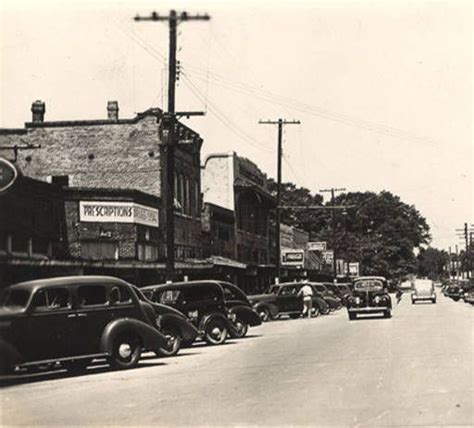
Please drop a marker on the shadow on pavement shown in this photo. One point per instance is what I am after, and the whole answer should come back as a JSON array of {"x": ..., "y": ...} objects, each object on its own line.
[{"x": 99, "y": 367}]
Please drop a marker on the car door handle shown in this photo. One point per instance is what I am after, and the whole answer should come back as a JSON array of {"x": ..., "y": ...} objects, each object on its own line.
[
  {"x": 82, "y": 315},
  {"x": 71, "y": 315}
]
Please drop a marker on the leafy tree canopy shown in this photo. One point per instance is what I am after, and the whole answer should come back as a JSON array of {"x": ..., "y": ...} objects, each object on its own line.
[{"x": 432, "y": 262}]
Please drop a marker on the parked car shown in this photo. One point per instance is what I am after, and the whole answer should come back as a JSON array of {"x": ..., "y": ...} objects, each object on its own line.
[
  {"x": 240, "y": 310},
  {"x": 340, "y": 290},
  {"x": 467, "y": 289},
  {"x": 468, "y": 295},
  {"x": 74, "y": 320},
  {"x": 283, "y": 299},
  {"x": 423, "y": 289},
  {"x": 202, "y": 302},
  {"x": 173, "y": 324},
  {"x": 334, "y": 302},
  {"x": 370, "y": 296},
  {"x": 453, "y": 291}
]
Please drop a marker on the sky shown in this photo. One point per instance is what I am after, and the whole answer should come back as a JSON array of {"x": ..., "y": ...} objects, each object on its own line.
[{"x": 383, "y": 89}]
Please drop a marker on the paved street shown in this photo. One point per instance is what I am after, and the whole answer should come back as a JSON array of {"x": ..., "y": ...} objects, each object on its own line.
[{"x": 413, "y": 369}]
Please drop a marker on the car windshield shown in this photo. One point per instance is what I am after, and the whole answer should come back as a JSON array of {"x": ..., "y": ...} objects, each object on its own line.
[
  {"x": 368, "y": 284},
  {"x": 274, "y": 290},
  {"x": 14, "y": 299},
  {"x": 344, "y": 288},
  {"x": 423, "y": 285}
]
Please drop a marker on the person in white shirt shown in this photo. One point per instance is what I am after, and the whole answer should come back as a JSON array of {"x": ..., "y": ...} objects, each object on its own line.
[{"x": 307, "y": 293}]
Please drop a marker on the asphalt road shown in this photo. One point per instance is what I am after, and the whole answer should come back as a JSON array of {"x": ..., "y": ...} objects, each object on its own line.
[{"x": 413, "y": 369}]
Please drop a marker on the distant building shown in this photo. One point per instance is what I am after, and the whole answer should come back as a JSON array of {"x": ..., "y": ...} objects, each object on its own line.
[{"x": 237, "y": 185}]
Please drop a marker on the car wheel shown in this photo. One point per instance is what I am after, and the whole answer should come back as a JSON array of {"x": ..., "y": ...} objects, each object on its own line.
[
  {"x": 216, "y": 332},
  {"x": 456, "y": 299},
  {"x": 264, "y": 314},
  {"x": 412, "y": 302},
  {"x": 174, "y": 337},
  {"x": 338, "y": 306},
  {"x": 352, "y": 316},
  {"x": 315, "y": 311},
  {"x": 76, "y": 366},
  {"x": 325, "y": 309},
  {"x": 241, "y": 329},
  {"x": 126, "y": 351},
  {"x": 387, "y": 314},
  {"x": 434, "y": 300}
]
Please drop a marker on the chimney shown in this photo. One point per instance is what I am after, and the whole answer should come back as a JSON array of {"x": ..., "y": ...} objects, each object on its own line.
[
  {"x": 112, "y": 110},
  {"x": 38, "y": 109}
]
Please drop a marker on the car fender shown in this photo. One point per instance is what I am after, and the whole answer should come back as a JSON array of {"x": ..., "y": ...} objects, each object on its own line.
[
  {"x": 152, "y": 339},
  {"x": 188, "y": 331},
  {"x": 320, "y": 302},
  {"x": 270, "y": 306},
  {"x": 209, "y": 317},
  {"x": 246, "y": 314},
  {"x": 10, "y": 356}
]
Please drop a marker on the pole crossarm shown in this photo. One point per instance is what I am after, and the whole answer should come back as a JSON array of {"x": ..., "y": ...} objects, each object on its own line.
[
  {"x": 276, "y": 122},
  {"x": 183, "y": 16},
  {"x": 316, "y": 207}
]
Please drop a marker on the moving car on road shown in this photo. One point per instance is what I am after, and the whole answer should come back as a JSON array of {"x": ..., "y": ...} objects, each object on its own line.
[
  {"x": 283, "y": 299},
  {"x": 74, "y": 320},
  {"x": 370, "y": 296},
  {"x": 423, "y": 289},
  {"x": 202, "y": 302}
]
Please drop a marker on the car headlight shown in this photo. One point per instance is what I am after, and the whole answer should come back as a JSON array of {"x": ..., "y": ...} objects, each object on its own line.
[
  {"x": 377, "y": 299},
  {"x": 357, "y": 300}
]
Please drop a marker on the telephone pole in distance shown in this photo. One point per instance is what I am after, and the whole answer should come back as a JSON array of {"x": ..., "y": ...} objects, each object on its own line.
[
  {"x": 280, "y": 123},
  {"x": 333, "y": 225},
  {"x": 169, "y": 124}
]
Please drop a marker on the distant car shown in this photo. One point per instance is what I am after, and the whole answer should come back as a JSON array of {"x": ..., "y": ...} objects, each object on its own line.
[
  {"x": 341, "y": 290},
  {"x": 467, "y": 289},
  {"x": 173, "y": 324},
  {"x": 370, "y": 296},
  {"x": 325, "y": 291},
  {"x": 202, "y": 302},
  {"x": 423, "y": 289},
  {"x": 282, "y": 299},
  {"x": 453, "y": 291},
  {"x": 74, "y": 320}
]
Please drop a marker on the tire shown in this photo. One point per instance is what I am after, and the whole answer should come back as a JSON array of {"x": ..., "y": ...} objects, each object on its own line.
[
  {"x": 241, "y": 329},
  {"x": 315, "y": 311},
  {"x": 456, "y": 299},
  {"x": 126, "y": 351},
  {"x": 352, "y": 316},
  {"x": 434, "y": 301},
  {"x": 174, "y": 335},
  {"x": 338, "y": 306},
  {"x": 76, "y": 366},
  {"x": 264, "y": 314},
  {"x": 387, "y": 314},
  {"x": 412, "y": 302},
  {"x": 325, "y": 310},
  {"x": 295, "y": 316},
  {"x": 216, "y": 332}
]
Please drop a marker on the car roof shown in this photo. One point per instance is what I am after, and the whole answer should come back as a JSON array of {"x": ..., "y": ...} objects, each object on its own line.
[
  {"x": 182, "y": 284},
  {"x": 66, "y": 280},
  {"x": 381, "y": 278}
]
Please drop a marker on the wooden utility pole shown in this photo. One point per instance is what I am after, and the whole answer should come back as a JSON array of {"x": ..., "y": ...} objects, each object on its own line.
[
  {"x": 333, "y": 226},
  {"x": 169, "y": 124},
  {"x": 280, "y": 123}
]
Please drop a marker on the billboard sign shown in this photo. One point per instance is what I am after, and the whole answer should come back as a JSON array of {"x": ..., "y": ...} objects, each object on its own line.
[
  {"x": 317, "y": 246},
  {"x": 117, "y": 212},
  {"x": 328, "y": 257},
  {"x": 8, "y": 174},
  {"x": 354, "y": 269},
  {"x": 291, "y": 257}
]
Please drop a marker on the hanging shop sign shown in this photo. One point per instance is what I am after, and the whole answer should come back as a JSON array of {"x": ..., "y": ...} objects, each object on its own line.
[
  {"x": 316, "y": 246},
  {"x": 354, "y": 269},
  {"x": 118, "y": 212},
  {"x": 8, "y": 174},
  {"x": 328, "y": 257},
  {"x": 291, "y": 257}
]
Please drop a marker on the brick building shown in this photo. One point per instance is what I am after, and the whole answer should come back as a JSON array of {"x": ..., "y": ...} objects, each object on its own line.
[
  {"x": 240, "y": 189},
  {"x": 115, "y": 153}
]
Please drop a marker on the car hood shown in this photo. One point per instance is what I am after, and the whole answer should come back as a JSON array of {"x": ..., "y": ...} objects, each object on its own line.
[{"x": 257, "y": 298}]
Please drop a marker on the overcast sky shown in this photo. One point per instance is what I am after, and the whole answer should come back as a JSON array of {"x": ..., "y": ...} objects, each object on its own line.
[{"x": 383, "y": 89}]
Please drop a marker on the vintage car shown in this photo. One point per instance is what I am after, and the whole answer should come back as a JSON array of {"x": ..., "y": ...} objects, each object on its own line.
[
  {"x": 370, "y": 296},
  {"x": 468, "y": 290},
  {"x": 325, "y": 292},
  {"x": 202, "y": 302},
  {"x": 423, "y": 289},
  {"x": 341, "y": 291},
  {"x": 239, "y": 309},
  {"x": 173, "y": 324},
  {"x": 282, "y": 299},
  {"x": 74, "y": 320},
  {"x": 453, "y": 291}
]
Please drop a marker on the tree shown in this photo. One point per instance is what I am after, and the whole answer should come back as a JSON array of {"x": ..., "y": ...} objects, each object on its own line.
[
  {"x": 378, "y": 230},
  {"x": 432, "y": 263}
]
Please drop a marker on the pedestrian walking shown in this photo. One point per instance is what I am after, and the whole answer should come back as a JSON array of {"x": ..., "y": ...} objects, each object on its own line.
[{"x": 306, "y": 292}]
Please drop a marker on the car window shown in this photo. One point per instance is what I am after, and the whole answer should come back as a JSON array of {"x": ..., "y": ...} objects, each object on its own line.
[
  {"x": 169, "y": 297},
  {"x": 289, "y": 291},
  {"x": 274, "y": 290},
  {"x": 92, "y": 295},
  {"x": 202, "y": 292},
  {"x": 231, "y": 293},
  {"x": 320, "y": 288},
  {"x": 48, "y": 299},
  {"x": 15, "y": 299},
  {"x": 120, "y": 295},
  {"x": 368, "y": 284}
]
